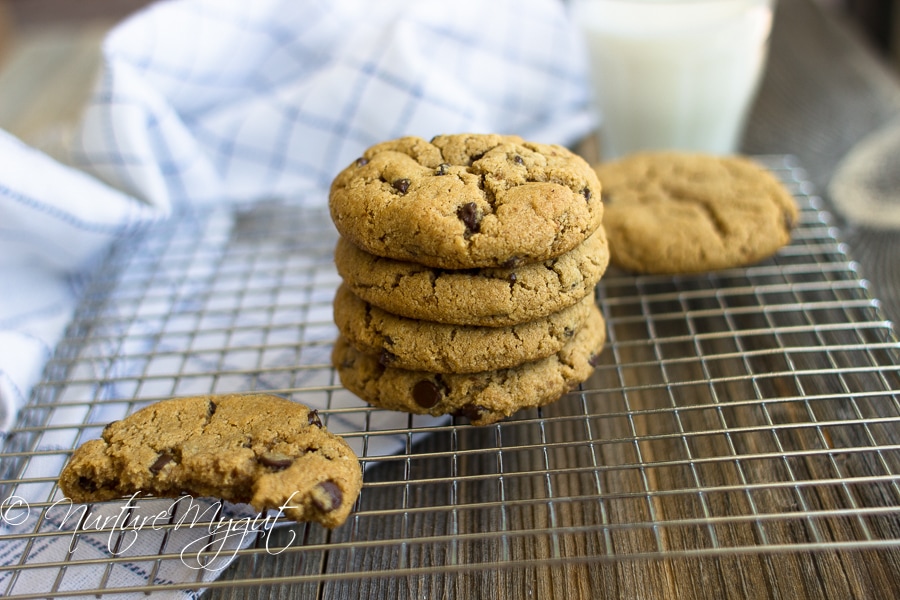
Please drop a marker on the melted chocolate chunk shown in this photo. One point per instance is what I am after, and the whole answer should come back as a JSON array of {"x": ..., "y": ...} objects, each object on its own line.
[
  {"x": 586, "y": 192},
  {"x": 162, "y": 460},
  {"x": 401, "y": 185},
  {"x": 386, "y": 358},
  {"x": 210, "y": 410},
  {"x": 468, "y": 214},
  {"x": 427, "y": 393},
  {"x": 512, "y": 278},
  {"x": 362, "y": 161},
  {"x": 470, "y": 411},
  {"x": 314, "y": 419},
  {"x": 327, "y": 496},
  {"x": 512, "y": 262},
  {"x": 518, "y": 160},
  {"x": 442, "y": 169},
  {"x": 276, "y": 460}
]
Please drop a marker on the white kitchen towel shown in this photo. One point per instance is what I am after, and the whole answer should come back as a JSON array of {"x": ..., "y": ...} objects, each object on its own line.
[
  {"x": 210, "y": 99},
  {"x": 220, "y": 101}
]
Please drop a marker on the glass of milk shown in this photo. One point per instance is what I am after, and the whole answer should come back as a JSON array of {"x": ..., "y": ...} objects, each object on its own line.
[{"x": 674, "y": 74}]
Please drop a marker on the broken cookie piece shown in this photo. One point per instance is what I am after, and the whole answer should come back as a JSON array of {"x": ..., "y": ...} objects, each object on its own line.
[{"x": 259, "y": 449}]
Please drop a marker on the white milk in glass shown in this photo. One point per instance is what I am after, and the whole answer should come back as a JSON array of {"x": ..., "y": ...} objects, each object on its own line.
[{"x": 677, "y": 74}]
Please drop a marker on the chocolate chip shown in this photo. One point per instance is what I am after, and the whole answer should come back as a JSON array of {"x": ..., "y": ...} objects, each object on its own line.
[
  {"x": 468, "y": 214},
  {"x": 442, "y": 169},
  {"x": 518, "y": 160},
  {"x": 512, "y": 262},
  {"x": 327, "y": 496},
  {"x": 470, "y": 411},
  {"x": 569, "y": 332},
  {"x": 276, "y": 460},
  {"x": 211, "y": 410},
  {"x": 426, "y": 393},
  {"x": 512, "y": 278},
  {"x": 362, "y": 161},
  {"x": 586, "y": 192},
  {"x": 88, "y": 485},
  {"x": 386, "y": 358},
  {"x": 314, "y": 419},
  {"x": 162, "y": 460},
  {"x": 401, "y": 185},
  {"x": 594, "y": 360},
  {"x": 477, "y": 156}
]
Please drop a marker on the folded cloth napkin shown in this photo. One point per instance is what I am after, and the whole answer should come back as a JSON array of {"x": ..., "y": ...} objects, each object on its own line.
[{"x": 221, "y": 101}]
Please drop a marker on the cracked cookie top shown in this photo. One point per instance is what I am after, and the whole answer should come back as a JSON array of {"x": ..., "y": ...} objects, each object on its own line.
[
  {"x": 259, "y": 449},
  {"x": 672, "y": 212},
  {"x": 466, "y": 201}
]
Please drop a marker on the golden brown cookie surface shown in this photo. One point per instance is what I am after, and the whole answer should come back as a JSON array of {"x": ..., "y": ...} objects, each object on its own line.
[
  {"x": 485, "y": 297},
  {"x": 671, "y": 212},
  {"x": 445, "y": 348},
  {"x": 255, "y": 448},
  {"x": 484, "y": 397},
  {"x": 466, "y": 201}
]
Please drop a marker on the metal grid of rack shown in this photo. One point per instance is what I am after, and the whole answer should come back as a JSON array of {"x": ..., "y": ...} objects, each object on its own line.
[{"x": 740, "y": 431}]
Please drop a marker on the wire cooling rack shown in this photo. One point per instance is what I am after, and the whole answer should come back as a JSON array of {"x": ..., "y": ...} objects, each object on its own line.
[{"x": 739, "y": 438}]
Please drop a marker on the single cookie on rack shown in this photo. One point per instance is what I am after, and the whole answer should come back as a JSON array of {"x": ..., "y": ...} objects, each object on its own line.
[
  {"x": 260, "y": 449},
  {"x": 494, "y": 297},
  {"x": 672, "y": 212},
  {"x": 444, "y": 348},
  {"x": 466, "y": 201},
  {"x": 485, "y": 397}
]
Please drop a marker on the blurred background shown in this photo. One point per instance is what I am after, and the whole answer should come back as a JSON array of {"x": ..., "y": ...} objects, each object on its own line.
[
  {"x": 49, "y": 51},
  {"x": 878, "y": 21}
]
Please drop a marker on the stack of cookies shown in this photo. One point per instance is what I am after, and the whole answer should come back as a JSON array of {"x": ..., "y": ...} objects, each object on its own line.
[{"x": 468, "y": 264}]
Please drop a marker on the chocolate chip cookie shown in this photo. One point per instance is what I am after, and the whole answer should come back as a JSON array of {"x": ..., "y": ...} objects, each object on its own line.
[
  {"x": 254, "y": 448},
  {"x": 671, "y": 212},
  {"x": 495, "y": 297},
  {"x": 466, "y": 201},
  {"x": 443, "y": 348},
  {"x": 484, "y": 397}
]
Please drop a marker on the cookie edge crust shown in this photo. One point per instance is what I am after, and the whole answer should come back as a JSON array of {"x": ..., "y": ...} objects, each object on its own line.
[
  {"x": 486, "y": 397},
  {"x": 499, "y": 298},
  {"x": 448, "y": 348}
]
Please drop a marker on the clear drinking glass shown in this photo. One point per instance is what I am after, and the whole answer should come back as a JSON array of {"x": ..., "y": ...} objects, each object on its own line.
[{"x": 674, "y": 74}]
